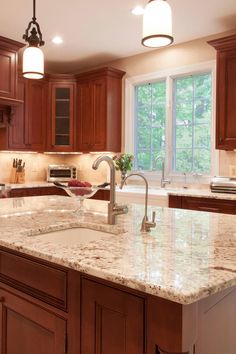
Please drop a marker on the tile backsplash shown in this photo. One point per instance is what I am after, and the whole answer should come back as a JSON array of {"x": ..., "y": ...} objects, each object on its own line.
[{"x": 36, "y": 166}]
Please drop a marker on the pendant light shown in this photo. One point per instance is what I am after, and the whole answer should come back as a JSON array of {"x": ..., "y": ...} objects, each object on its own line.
[
  {"x": 157, "y": 24},
  {"x": 33, "y": 58}
]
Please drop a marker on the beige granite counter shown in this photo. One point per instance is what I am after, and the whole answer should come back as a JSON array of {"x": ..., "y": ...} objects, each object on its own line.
[{"x": 188, "y": 256}]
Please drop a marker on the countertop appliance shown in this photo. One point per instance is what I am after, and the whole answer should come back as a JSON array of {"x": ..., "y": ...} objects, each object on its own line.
[
  {"x": 223, "y": 184},
  {"x": 61, "y": 173}
]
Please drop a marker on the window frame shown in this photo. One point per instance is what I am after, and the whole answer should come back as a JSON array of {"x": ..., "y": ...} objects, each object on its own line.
[{"x": 129, "y": 117}]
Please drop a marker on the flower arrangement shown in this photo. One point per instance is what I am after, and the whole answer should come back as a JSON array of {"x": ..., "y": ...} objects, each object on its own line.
[{"x": 123, "y": 162}]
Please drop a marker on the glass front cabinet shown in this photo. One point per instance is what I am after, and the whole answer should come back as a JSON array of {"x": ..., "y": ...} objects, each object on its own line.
[{"x": 62, "y": 113}]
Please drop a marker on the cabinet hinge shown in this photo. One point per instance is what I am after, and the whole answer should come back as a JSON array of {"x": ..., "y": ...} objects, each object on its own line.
[{"x": 66, "y": 344}]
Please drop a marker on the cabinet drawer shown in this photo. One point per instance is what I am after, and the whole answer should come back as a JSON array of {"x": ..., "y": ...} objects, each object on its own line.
[
  {"x": 209, "y": 204},
  {"x": 44, "y": 282}
]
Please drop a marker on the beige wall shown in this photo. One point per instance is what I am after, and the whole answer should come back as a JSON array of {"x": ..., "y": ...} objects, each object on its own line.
[
  {"x": 171, "y": 57},
  {"x": 175, "y": 56}
]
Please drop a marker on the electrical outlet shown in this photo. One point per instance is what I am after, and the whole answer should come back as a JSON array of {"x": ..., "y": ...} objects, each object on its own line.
[{"x": 232, "y": 170}]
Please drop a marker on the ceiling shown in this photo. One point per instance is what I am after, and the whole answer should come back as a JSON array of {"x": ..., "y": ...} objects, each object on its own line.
[{"x": 96, "y": 32}]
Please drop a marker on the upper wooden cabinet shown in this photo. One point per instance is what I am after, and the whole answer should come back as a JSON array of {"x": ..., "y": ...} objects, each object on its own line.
[
  {"x": 28, "y": 128},
  {"x": 8, "y": 69},
  {"x": 16, "y": 131},
  {"x": 99, "y": 110},
  {"x": 226, "y": 92},
  {"x": 61, "y": 130}
]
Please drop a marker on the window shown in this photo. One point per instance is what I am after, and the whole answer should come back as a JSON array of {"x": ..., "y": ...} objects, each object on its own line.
[
  {"x": 192, "y": 124},
  {"x": 150, "y": 125},
  {"x": 173, "y": 121}
]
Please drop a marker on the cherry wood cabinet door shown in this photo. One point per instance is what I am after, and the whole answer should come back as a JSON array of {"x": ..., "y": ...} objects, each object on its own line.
[
  {"x": 99, "y": 110},
  {"x": 99, "y": 114},
  {"x": 62, "y": 116},
  {"x": 85, "y": 122},
  {"x": 36, "y": 114},
  {"x": 225, "y": 92},
  {"x": 112, "y": 321},
  {"x": 26, "y": 328},
  {"x": 16, "y": 132}
]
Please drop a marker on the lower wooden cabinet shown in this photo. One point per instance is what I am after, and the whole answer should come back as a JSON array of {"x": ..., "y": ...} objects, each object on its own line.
[
  {"x": 223, "y": 206},
  {"x": 101, "y": 317},
  {"x": 112, "y": 321},
  {"x": 26, "y": 328},
  {"x": 37, "y": 191}
]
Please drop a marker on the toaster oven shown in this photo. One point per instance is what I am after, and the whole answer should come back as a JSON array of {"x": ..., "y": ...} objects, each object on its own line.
[{"x": 61, "y": 173}]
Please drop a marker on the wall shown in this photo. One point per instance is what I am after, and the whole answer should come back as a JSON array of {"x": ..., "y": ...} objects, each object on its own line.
[
  {"x": 36, "y": 166},
  {"x": 175, "y": 56},
  {"x": 171, "y": 57}
]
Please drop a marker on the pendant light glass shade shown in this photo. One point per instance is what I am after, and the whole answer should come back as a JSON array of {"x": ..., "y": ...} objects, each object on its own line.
[
  {"x": 157, "y": 24},
  {"x": 33, "y": 63}
]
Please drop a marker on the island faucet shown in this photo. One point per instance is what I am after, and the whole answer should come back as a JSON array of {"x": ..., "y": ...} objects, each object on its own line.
[
  {"x": 164, "y": 181},
  {"x": 146, "y": 225},
  {"x": 113, "y": 208}
]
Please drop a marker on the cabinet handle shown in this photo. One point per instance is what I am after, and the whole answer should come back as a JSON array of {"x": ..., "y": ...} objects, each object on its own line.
[{"x": 209, "y": 209}]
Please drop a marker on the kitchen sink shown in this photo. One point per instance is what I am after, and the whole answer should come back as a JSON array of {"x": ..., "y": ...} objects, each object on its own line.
[{"x": 74, "y": 236}]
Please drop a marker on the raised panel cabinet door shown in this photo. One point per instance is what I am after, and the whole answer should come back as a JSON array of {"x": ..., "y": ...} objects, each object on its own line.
[
  {"x": 85, "y": 123},
  {"x": 16, "y": 131},
  {"x": 226, "y": 104},
  {"x": 36, "y": 114},
  {"x": 225, "y": 92},
  {"x": 8, "y": 73},
  {"x": 62, "y": 136},
  {"x": 26, "y": 328},
  {"x": 112, "y": 321},
  {"x": 99, "y": 115}
]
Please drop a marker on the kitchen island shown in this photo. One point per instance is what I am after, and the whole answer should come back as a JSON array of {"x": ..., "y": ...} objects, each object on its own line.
[{"x": 172, "y": 290}]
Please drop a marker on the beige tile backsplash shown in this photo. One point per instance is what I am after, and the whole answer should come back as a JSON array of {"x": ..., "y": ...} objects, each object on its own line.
[{"x": 36, "y": 165}]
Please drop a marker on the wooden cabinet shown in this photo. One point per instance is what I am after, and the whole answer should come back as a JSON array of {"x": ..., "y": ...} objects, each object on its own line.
[
  {"x": 27, "y": 328},
  {"x": 226, "y": 92},
  {"x": 16, "y": 131},
  {"x": 28, "y": 128},
  {"x": 99, "y": 110},
  {"x": 101, "y": 194},
  {"x": 62, "y": 127},
  {"x": 36, "y": 114},
  {"x": 203, "y": 204},
  {"x": 8, "y": 69},
  {"x": 112, "y": 321}
]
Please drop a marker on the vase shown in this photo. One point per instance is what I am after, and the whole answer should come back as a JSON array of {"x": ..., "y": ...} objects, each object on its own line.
[{"x": 123, "y": 175}]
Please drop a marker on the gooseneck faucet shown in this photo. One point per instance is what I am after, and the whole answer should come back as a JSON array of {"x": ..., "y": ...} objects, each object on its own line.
[
  {"x": 164, "y": 180},
  {"x": 146, "y": 225},
  {"x": 113, "y": 208}
]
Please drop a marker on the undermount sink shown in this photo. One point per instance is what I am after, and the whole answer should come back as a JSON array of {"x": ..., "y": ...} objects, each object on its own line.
[{"x": 74, "y": 236}]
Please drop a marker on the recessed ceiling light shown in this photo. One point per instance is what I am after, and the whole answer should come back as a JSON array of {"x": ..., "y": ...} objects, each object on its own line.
[
  {"x": 57, "y": 40},
  {"x": 138, "y": 10}
]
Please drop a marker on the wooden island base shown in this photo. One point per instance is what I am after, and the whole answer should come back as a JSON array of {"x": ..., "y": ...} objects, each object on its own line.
[{"x": 49, "y": 309}]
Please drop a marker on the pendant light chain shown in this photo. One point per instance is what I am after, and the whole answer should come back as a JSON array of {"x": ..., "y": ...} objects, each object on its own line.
[{"x": 34, "y": 11}]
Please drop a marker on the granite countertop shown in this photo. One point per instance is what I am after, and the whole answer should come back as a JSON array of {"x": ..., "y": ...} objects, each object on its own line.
[{"x": 188, "y": 256}]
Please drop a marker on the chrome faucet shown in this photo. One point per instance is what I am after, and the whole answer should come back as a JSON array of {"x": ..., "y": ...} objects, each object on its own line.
[
  {"x": 146, "y": 225},
  {"x": 164, "y": 181},
  {"x": 113, "y": 208}
]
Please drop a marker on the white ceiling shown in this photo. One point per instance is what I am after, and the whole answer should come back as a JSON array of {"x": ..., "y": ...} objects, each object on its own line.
[{"x": 98, "y": 31}]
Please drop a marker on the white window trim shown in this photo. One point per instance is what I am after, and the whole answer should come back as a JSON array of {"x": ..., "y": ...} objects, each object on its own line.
[{"x": 169, "y": 76}]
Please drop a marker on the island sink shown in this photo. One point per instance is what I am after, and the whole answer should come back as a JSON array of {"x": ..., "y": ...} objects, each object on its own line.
[{"x": 73, "y": 236}]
